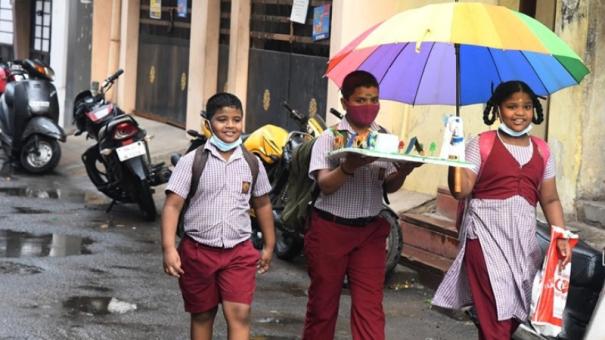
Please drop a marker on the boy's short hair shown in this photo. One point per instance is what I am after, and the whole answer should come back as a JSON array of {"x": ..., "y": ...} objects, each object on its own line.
[
  {"x": 220, "y": 100},
  {"x": 357, "y": 79}
]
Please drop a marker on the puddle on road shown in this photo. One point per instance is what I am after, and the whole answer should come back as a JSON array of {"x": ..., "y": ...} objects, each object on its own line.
[
  {"x": 18, "y": 268},
  {"x": 97, "y": 305},
  {"x": 28, "y": 210},
  {"x": 31, "y": 192},
  {"x": 22, "y": 244}
]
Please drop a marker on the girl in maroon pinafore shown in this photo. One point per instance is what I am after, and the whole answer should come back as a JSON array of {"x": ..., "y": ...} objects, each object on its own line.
[{"x": 498, "y": 255}]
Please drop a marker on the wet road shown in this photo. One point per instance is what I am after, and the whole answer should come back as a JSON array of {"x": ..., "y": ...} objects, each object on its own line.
[{"x": 68, "y": 270}]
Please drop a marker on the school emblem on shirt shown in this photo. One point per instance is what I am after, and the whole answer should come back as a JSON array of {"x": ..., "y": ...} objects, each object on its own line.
[
  {"x": 245, "y": 187},
  {"x": 381, "y": 172}
]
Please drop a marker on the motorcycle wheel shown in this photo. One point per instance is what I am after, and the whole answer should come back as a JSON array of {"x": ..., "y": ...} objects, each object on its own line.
[
  {"x": 145, "y": 201},
  {"x": 394, "y": 243},
  {"x": 287, "y": 245},
  {"x": 42, "y": 159}
]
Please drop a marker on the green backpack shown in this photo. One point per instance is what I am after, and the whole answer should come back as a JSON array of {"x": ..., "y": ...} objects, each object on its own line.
[
  {"x": 199, "y": 163},
  {"x": 301, "y": 192}
]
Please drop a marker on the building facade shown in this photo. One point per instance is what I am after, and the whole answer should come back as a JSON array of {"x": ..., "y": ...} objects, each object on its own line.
[{"x": 178, "y": 53}]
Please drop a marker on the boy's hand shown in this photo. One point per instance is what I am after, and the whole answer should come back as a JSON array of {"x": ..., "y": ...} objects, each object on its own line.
[
  {"x": 565, "y": 251},
  {"x": 265, "y": 261},
  {"x": 354, "y": 161},
  {"x": 405, "y": 168},
  {"x": 172, "y": 262}
]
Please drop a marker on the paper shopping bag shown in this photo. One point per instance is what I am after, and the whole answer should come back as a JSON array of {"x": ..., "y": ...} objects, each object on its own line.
[{"x": 551, "y": 284}]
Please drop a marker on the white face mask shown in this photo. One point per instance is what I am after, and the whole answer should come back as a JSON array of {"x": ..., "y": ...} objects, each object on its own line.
[{"x": 504, "y": 128}]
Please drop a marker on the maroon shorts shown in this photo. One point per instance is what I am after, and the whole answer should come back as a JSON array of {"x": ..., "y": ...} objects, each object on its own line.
[{"x": 213, "y": 275}]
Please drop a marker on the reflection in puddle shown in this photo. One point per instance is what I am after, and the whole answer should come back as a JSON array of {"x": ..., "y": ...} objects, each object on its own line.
[
  {"x": 21, "y": 244},
  {"x": 28, "y": 210},
  {"x": 18, "y": 268},
  {"x": 31, "y": 192},
  {"x": 94, "y": 305},
  {"x": 97, "y": 305}
]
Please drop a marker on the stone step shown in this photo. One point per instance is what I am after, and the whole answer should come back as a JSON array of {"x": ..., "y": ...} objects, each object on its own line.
[
  {"x": 431, "y": 234},
  {"x": 420, "y": 258},
  {"x": 432, "y": 221},
  {"x": 447, "y": 205},
  {"x": 593, "y": 235},
  {"x": 591, "y": 212}
]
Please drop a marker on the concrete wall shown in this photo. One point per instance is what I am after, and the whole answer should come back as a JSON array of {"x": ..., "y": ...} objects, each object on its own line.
[
  {"x": 203, "y": 58},
  {"x": 578, "y": 113},
  {"x": 101, "y": 21}
]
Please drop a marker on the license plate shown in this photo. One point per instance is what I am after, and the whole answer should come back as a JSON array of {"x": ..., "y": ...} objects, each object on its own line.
[{"x": 131, "y": 151}]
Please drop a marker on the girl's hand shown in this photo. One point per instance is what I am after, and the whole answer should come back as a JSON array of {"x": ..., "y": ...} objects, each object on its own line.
[
  {"x": 265, "y": 261},
  {"x": 565, "y": 251}
]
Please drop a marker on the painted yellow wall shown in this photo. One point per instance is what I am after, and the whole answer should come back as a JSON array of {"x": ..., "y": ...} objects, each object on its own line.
[
  {"x": 101, "y": 21},
  {"x": 578, "y": 113}
]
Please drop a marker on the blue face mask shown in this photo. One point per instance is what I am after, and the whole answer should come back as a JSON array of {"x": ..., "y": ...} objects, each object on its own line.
[
  {"x": 224, "y": 147},
  {"x": 512, "y": 132}
]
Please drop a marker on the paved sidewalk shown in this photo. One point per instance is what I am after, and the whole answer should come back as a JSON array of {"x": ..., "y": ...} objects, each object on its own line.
[{"x": 166, "y": 139}]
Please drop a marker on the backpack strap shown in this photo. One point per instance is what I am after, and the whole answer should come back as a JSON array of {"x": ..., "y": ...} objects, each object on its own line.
[
  {"x": 254, "y": 167},
  {"x": 486, "y": 142},
  {"x": 199, "y": 163},
  {"x": 543, "y": 149}
]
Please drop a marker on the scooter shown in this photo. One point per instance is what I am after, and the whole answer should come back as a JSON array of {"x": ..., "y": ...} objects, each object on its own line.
[
  {"x": 29, "y": 115},
  {"x": 119, "y": 164}
]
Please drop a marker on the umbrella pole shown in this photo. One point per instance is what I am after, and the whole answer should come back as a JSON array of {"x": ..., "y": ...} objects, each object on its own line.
[{"x": 457, "y": 170}]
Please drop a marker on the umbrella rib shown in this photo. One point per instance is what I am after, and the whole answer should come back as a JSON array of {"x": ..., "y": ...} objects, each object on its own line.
[
  {"x": 392, "y": 62},
  {"x": 495, "y": 65},
  {"x": 536, "y": 73},
  {"x": 422, "y": 73}
]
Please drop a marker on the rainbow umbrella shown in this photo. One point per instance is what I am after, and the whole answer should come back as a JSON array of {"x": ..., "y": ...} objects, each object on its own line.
[{"x": 455, "y": 53}]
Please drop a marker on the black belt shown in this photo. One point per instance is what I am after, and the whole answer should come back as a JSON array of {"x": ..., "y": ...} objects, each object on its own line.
[{"x": 352, "y": 222}]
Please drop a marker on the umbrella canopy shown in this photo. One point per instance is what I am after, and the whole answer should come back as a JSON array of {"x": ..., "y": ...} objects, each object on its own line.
[{"x": 413, "y": 54}]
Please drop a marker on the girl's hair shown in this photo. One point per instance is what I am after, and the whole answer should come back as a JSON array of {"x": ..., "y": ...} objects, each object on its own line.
[
  {"x": 357, "y": 79},
  {"x": 503, "y": 92},
  {"x": 220, "y": 100}
]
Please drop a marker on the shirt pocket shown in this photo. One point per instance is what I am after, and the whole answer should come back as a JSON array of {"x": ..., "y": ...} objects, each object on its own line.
[{"x": 241, "y": 186}]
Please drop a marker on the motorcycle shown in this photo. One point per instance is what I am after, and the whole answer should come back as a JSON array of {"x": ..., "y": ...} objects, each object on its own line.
[
  {"x": 275, "y": 147},
  {"x": 585, "y": 287},
  {"x": 29, "y": 115},
  {"x": 118, "y": 164}
]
